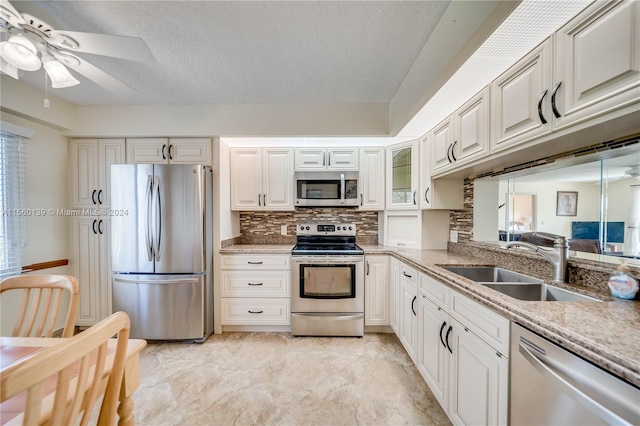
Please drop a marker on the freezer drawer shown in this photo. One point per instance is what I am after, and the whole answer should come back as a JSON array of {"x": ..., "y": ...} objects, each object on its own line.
[{"x": 162, "y": 307}]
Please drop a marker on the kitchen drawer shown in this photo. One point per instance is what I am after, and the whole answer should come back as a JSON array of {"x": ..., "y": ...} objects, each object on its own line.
[
  {"x": 255, "y": 283},
  {"x": 486, "y": 324},
  {"x": 408, "y": 273},
  {"x": 256, "y": 261},
  {"x": 255, "y": 311},
  {"x": 437, "y": 292}
]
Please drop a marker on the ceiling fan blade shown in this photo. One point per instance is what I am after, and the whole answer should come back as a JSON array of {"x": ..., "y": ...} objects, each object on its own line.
[
  {"x": 95, "y": 74},
  {"x": 10, "y": 14},
  {"x": 132, "y": 48}
]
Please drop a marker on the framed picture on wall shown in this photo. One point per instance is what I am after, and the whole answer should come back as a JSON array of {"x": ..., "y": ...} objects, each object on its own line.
[{"x": 567, "y": 203}]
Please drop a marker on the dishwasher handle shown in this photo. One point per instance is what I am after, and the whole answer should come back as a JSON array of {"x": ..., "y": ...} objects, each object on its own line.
[{"x": 580, "y": 397}]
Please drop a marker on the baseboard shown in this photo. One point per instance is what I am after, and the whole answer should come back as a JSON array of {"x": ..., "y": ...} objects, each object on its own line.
[
  {"x": 378, "y": 329},
  {"x": 257, "y": 328}
]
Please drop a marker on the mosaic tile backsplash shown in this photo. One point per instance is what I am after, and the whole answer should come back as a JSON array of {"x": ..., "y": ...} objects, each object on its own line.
[{"x": 264, "y": 227}]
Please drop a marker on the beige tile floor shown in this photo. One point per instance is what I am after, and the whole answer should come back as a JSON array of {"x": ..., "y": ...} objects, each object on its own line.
[{"x": 274, "y": 378}]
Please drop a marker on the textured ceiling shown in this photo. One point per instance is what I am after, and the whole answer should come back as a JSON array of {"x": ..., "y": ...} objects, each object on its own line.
[{"x": 245, "y": 52}]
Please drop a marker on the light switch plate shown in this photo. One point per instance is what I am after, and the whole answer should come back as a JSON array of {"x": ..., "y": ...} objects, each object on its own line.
[
  {"x": 283, "y": 230},
  {"x": 453, "y": 236}
]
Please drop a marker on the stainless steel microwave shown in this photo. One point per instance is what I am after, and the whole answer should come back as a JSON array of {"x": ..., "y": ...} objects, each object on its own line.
[{"x": 326, "y": 189}]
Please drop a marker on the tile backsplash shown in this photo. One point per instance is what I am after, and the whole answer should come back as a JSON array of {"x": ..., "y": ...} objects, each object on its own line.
[{"x": 264, "y": 227}]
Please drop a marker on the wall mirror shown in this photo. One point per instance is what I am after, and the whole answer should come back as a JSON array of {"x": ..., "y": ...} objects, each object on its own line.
[{"x": 594, "y": 201}]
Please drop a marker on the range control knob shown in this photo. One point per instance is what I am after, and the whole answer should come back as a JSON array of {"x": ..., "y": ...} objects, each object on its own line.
[
  {"x": 302, "y": 228},
  {"x": 350, "y": 228},
  {"x": 338, "y": 228},
  {"x": 307, "y": 228}
]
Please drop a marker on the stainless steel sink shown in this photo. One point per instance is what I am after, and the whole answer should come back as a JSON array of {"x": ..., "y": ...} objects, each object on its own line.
[
  {"x": 539, "y": 292},
  {"x": 518, "y": 286},
  {"x": 491, "y": 274}
]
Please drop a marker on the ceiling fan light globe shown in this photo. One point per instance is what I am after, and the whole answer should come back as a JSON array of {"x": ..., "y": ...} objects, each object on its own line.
[
  {"x": 21, "y": 53},
  {"x": 59, "y": 75},
  {"x": 8, "y": 69}
]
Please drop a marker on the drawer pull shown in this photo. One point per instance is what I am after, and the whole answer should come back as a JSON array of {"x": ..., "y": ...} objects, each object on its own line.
[
  {"x": 254, "y": 263},
  {"x": 255, "y": 312},
  {"x": 406, "y": 275},
  {"x": 255, "y": 283}
]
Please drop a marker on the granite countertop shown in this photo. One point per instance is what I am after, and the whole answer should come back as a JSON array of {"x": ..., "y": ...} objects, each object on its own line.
[{"x": 605, "y": 333}]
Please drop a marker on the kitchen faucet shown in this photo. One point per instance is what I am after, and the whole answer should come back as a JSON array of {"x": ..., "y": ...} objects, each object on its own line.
[{"x": 557, "y": 255}]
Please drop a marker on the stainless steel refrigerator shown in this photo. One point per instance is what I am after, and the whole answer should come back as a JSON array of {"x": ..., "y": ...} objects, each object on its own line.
[{"x": 161, "y": 249}]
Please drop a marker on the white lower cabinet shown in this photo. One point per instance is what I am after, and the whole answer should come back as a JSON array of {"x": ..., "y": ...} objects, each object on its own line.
[
  {"x": 466, "y": 374},
  {"x": 394, "y": 294},
  {"x": 255, "y": 289},
  {"x": 408, "y": 318},
  {"x": 376, "y": 290},
  {"x": 92, "y": 268}
]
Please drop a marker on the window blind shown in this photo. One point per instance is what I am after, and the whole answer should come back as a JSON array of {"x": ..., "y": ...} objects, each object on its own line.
[{"x": 12, "y": 207}]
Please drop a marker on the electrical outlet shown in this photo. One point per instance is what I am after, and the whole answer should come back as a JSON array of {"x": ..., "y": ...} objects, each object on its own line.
[
  {"x": 453, "y": 236},
  {"x": 283, "y": 230}
]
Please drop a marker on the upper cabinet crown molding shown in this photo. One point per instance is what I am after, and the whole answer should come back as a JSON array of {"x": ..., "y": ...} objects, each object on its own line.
[
  {"x": 169, "y": 151},
  {"x": 315, "y": 159}
]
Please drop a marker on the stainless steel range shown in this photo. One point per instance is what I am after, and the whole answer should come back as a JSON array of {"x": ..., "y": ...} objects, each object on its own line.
[{"x": 327, "y": 297}]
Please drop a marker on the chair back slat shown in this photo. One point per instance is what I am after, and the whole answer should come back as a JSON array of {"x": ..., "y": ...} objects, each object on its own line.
[
  {"x": 41, "y": 302},
  {"x": 80, "y": 365}
]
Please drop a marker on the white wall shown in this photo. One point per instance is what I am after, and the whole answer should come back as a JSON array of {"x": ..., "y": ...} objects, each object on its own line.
[{"x": 47, "y": 186}]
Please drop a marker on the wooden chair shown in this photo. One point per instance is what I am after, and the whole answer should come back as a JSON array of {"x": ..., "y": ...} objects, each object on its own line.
[
  {"x": 40, "y": 306},
  {"x": 78, "y": 369}
]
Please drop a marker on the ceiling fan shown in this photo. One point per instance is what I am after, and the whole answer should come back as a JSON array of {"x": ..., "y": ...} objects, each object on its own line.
[{"x": 29, "y": 43}]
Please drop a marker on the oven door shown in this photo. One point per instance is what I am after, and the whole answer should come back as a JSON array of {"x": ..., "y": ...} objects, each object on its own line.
[{"x": 327, "y": 284}]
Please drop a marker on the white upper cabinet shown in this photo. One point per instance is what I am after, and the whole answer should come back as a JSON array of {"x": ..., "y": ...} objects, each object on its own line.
[
  {"x": 471, "y": 128},
  {"x": 91, "y": 161},
  {"x": 441, "y": 145},
  {"x": 597, "y": 62},
  {"x": 169, "y": 151},
  {"x": 371, "y": 178},
  {"x": 402, "y": 175},
  {"x": 262, "y": 179},
  {"x": 315, "y": 159},
  {"x": 437, "y": 193},
  {"x": 520, "y": 107}
]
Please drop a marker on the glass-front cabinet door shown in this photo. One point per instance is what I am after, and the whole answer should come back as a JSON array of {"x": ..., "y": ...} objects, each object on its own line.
[{"x": 402, "y": 175}]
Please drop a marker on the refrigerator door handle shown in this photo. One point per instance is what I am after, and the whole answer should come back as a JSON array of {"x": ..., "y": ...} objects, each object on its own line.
[
  {"x": 157, "y": 219},
  {"x": 148, "y": 197}
]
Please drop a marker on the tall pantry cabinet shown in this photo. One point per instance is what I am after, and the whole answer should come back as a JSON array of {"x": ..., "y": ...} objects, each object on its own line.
[{"x": 91, "y": 161}]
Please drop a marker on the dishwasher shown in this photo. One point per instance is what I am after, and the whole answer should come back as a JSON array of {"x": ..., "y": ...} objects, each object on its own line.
[{"x": 552, "y": 386}]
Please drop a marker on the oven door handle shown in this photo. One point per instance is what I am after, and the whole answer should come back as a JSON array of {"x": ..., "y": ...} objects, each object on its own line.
[{"x": 328, "y": 259}]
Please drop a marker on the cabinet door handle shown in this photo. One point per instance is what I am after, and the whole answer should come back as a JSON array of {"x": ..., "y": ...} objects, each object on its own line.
[
  {"x": 254, "y": 263},
  {"x": 170, "y": 154},
  {"x": 448, "y": 155},
  {"x": 446, "y": 338},
  {"x": 100, "y": 226},
  {"x": 100, "y": 197},
  {"x": 255, "y": 312},
  {"x": 361, "y": 199},
  {"x": 164, "y": 157},
  {"x": 412, "y": 303},
  {"x": 444, "y": 324},
  {"x": 542, "y": 119},
  {"x": 93, "y": 196},
  {"x": 553, "y": 100},
  {"x": 329, "y": 155},
  {"x": 426, "y": 195},
  {"x": 453, "y": 155},
  {"x": 414, "y": 197},
  {"x": 406, "y": 275},
  {"x": 255, "y": 283},
  {"x": 264, "y": 200},
  {"x": 323, "y": 159},
  {"x": 94, "y": 226},
  {"x": 259, "y": 202},
  {"x": 367, "y": 268}
]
